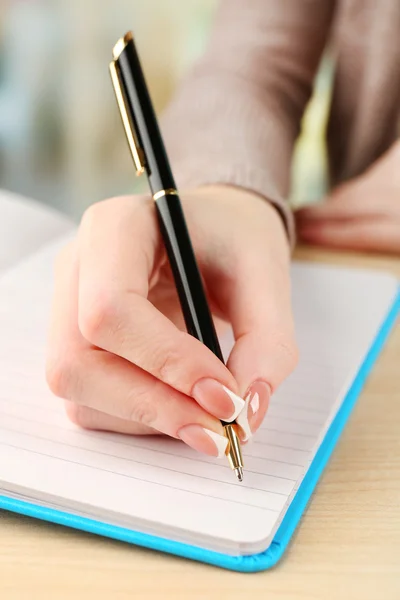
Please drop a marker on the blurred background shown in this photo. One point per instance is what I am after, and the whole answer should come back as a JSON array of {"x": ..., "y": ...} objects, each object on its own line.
[{"x": 61, "y": 141}]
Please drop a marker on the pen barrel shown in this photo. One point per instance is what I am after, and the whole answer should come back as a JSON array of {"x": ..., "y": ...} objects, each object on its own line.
[
  {"x": 145, "y": 122},
  {"x": 188, "y": 281}
]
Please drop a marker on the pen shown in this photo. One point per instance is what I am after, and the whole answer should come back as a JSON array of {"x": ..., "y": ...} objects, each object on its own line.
[{"x": 149, "y": 156}]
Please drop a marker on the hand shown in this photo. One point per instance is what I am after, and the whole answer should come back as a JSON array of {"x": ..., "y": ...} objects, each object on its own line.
[
  {"x": 363, "y": 214},
  {"x": 118, "y": 351}
]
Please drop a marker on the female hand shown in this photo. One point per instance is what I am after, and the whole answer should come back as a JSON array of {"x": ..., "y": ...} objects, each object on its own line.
[
  {"x": 118, "y": 351},
  {"x": 363, "y": 214}
]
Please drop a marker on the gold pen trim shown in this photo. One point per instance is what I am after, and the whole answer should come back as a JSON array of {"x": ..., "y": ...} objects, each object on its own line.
[
  {"x": 137, "y": 153},
  {"x": 168, "y": 192},
  {"x": 121, "y": 45},
  {"x": 234, "y": 451}
]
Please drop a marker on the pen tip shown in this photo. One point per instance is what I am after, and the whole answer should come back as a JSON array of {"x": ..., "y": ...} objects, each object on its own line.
[{"x": 239, "y": 473}]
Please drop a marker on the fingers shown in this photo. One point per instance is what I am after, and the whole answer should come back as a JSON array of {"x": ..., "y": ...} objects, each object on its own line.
[
  {"x": 114, "y": 313},
  {"x": 111, "y": 393},
  {"x": 113, "y": 353},
  {"x": 357, "y": 199},
  {"x": 380, "y": 234},
  {"x": 106, "y": 383},
  {"x": 101, "y": 382},
  {"x": 91, "y": 418},
  {"x": 260, "y": 312},
  {"x": 343, "y": 203},
  {"x": 362, "y": 214}
]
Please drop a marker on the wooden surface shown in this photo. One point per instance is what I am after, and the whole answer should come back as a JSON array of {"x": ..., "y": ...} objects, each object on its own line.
[{"x": 347, "y": 546}]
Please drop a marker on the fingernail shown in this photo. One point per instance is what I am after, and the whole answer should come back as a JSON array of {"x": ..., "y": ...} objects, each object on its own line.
[
  {"x": 203, "y": 440},
  {"x": 217, "y": 399},
  {"x": 251, "y": 417}
]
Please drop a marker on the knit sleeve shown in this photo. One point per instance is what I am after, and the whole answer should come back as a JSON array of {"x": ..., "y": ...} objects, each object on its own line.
[{"x": 237, "y": 114}]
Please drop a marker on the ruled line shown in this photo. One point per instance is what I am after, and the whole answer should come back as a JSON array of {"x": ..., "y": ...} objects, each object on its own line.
[
  {"x": 142, "y": 462},
  {"x": 274, "y": 430},
  {"x": 304, "y": 407},
  {"x": 95, "y": 435},
  {"x": 280, "y": 446},
  {"x": 73, "y": 462}
]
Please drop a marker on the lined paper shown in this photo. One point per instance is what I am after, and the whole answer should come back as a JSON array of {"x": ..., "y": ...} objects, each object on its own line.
[{"x": 159, "y": 485}]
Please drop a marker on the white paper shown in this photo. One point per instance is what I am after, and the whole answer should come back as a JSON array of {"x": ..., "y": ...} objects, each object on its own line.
[{"x": 159, "y": 485}]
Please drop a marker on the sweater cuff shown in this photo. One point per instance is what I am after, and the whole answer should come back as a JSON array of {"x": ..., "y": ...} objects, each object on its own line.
[{"x": 192, "y": 174}]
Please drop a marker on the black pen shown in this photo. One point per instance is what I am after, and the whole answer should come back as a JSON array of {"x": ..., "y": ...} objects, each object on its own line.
[{"x": 149, "y": 156}]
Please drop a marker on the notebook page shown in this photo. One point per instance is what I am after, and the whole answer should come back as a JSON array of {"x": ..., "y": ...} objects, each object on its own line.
[{"x": 159, "y": 485}]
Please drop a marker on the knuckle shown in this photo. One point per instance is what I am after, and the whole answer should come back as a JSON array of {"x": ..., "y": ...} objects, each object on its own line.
[
  {"x": 92, "y": 214},
  {"x": 285, "y": 346},
  {"x": 77, "y": 414},
  {"x": 142, "y": 410},
  {"x": 288, "y": 348},
  {"x": 117, "y": 209},
  {"x": 97, "y": 316},
  {"x": 58, "y": 376},
  {"x": 168, "y": 365},
  {"x": 63, "y": 373},
  {"x": 73, "y": 412}
]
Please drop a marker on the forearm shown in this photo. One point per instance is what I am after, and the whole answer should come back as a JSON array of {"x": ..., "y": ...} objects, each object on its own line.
[{"x": 237, "y": 115}]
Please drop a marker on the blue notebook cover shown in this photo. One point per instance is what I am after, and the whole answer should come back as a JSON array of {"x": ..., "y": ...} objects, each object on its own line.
[{"x": 247, "y": 564}]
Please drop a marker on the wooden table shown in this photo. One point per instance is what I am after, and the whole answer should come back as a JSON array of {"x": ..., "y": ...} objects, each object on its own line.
[{"x": 347, "y": 546}]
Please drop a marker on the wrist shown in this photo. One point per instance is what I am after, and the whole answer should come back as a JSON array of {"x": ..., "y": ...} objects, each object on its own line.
[{"x": 273, "y": 211}]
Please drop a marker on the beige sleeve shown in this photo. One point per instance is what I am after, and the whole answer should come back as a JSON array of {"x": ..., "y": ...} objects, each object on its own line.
[{"x": 237, "y": 114}]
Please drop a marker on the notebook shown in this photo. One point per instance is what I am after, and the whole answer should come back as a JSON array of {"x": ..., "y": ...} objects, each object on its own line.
[{"x": 157, "y": 492}]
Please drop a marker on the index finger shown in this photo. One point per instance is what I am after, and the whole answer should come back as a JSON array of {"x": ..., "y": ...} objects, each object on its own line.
[{"x": 120, "y": 250}]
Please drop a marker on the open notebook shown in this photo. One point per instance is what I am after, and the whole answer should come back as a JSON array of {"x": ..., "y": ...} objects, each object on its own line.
[{"x": 157, "y": 492}]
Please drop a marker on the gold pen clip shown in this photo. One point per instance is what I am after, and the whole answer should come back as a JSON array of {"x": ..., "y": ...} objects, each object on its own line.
[{"x": 136, "y": 151}]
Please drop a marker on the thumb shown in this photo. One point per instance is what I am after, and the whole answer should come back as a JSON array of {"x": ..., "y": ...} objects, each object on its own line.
[{"x": 265, "y": 352}]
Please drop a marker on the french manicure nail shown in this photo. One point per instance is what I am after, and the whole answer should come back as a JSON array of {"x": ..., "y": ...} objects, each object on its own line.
[
  {"x": 217, "y": 399},
  {"x": 203, "y": 440},
  {"x": 252, "y": 415}
]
